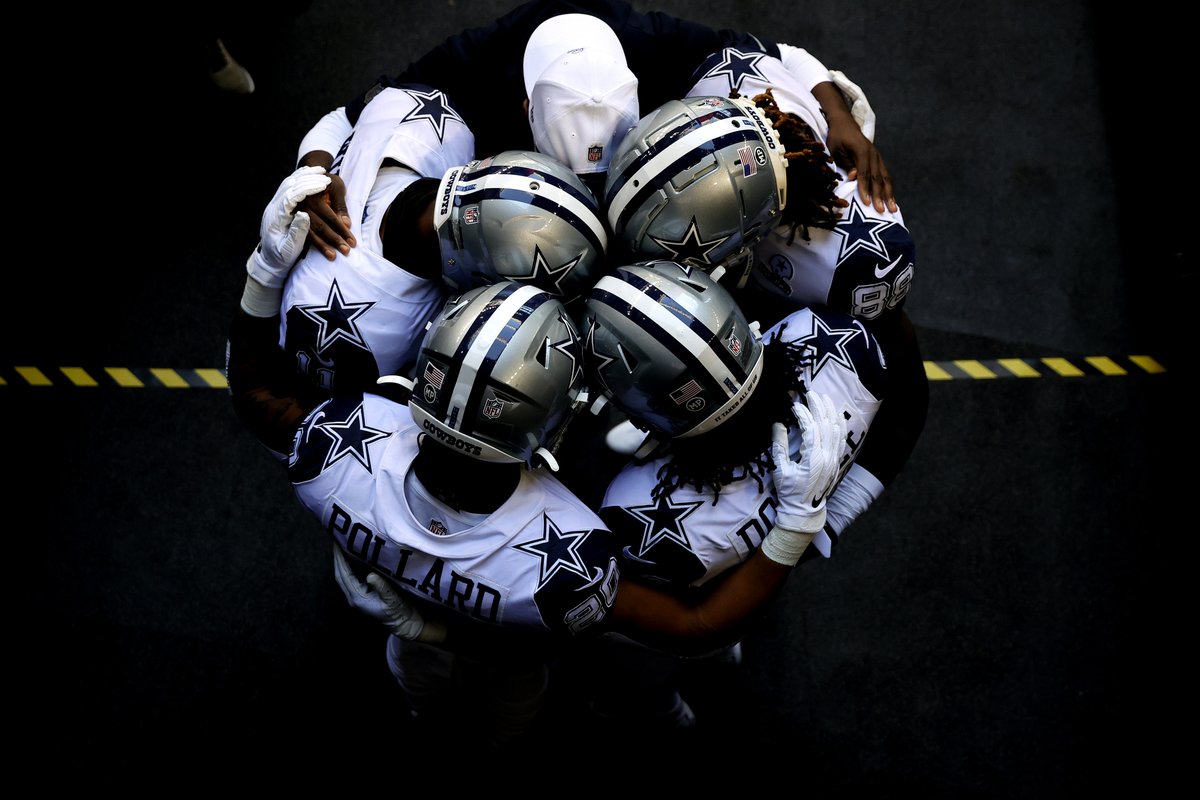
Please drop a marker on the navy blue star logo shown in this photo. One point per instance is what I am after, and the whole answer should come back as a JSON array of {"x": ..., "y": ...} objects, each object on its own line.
[
  {"x": 336, "y": 320},
  {"x": 557, "y": 551},
  {"x": 860, "y": 233},
  {"x": 828, "y": 345},
  {"x": 350, "y": 438},
  {"x": 736, "y": 66},
  {"x": 431, "y": 106},
  {"x": 571, "y": 348},
  {"x": 691, "y": 246},
  {"x": 542, "y": 276},
  {"x": 664, "y": 522}
]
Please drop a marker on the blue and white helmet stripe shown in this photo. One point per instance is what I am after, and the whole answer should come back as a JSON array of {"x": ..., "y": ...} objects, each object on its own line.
[
  {"x": 482, "y": 347},
  {"x": 703, "y": 134},
  {"x": 528, "y": 186},
  {"x": 688, "y": 338},
  {"x": 701, "y": 352}
]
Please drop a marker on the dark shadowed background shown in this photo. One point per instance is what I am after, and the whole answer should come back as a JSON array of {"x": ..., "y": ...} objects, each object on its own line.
[{"x": 1005, "y": 622}]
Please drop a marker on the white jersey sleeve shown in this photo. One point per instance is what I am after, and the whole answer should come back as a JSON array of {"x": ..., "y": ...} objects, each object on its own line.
[
  {"x": 413, "y": 126},
  {"x": 803, "y": 66},
  {"x": 328, "y": 135}
]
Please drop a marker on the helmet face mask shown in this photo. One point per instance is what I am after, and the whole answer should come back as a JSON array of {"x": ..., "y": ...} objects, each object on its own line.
[
  {"x": 698, "y": 181},
  {"x": 519, "y": 216},
  {"x": 669, "y": 347},
  {"x": 498, "y": 372}
]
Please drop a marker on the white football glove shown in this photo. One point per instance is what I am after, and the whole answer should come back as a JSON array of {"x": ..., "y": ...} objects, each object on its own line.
[
  {"x": 377, "y": 599},
  {"x": 282, "y": 233},
  {"x": 803, "y": 486},
  {"x": 856, "y": 101}
]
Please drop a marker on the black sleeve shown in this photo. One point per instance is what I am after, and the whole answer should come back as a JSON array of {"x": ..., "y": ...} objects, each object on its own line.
[
  {"x": 267, "y": 397},
  {"x": 480, "y": 68},
  {"x": 665, "y": 51},
  {"x": 901, "y": 418}
]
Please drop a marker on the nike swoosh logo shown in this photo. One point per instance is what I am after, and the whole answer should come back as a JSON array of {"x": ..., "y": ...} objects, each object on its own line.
[
  {"x": 593, "y": 582},
  {"x": 879, "y": 273},
  {"x": 629, "y": 554}
]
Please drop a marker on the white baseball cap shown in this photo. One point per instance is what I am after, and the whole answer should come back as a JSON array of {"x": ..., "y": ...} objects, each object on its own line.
[{"x": 582, "y": 94}]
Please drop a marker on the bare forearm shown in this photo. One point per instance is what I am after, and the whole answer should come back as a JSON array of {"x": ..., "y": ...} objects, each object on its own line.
[{"x": 671, "y": 624}]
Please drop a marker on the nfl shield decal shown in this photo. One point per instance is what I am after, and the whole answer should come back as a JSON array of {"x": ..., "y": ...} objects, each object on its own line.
[{"x": 492, "y": 407}]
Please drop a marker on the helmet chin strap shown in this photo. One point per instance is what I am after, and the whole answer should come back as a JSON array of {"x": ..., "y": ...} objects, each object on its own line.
[
  {"x": 547, "y": 458},
  {"x": 400, "y": 380}
]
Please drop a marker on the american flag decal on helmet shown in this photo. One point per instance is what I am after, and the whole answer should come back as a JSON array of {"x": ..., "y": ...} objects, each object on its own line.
[
  {"x": 685, "y": 392},
  {"x": 746, "y": 159},
  {"x": 433, "y": 375}
]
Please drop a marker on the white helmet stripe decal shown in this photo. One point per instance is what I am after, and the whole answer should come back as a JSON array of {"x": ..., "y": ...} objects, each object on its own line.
[
  {"x": 480, "y": 347},
  {"x": 665, "y": 319},
  {"x": 548, "y": 190},
  {"x": 662, "y": 161}
]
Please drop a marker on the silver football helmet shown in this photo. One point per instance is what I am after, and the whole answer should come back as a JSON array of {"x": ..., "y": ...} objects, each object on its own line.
[
  {"x": 669, "y": 346},
  {"x": 499, "y": 369},
  {"x": 698, "y": 181},
  {"x": 519, "y": 216}
]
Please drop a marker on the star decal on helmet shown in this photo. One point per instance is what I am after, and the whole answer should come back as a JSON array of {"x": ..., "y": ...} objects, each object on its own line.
[
  {"x": 691, "y": 246},
  {"x": 860, "y": 232},
  {"x": 572, "y": 348},
  {"x": 663, "y": 521},
  {"x": 828, "y": 345},
  {"x": 557, "y": 550},
  {"x": 544, "y": 277},
  {"x": 351, "y": 438},
  {"x": 735, "y": 66},
  {"x": 431, "y": 106},
  {"x": 336, "y": 320},
  {"x": 598, "y": 361}
]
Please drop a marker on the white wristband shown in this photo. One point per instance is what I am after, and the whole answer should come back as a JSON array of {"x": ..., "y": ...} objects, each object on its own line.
[
  {"x": 858, "y": 489},
  {"x": 259, "y": 301},
  {"x": 785, "y": 547}
]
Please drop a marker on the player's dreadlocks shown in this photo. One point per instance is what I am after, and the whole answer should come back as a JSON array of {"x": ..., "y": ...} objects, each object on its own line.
[
  {"x": 811, "y": 201},
  {"x": 739, "y": 447}
]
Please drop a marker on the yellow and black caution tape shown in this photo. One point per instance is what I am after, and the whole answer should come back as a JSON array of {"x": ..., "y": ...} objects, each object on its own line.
[
  {"x": 972, "y": 369},
  {"x": 121, "y": 377},
  {"x": 955, "y": 370}
]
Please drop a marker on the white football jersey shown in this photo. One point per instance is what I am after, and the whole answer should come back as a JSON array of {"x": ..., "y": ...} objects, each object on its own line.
[
  {"x": 543, "y": 561},
  {"x": 684, "y": 538},
  {"x": 348, "y": 321}
]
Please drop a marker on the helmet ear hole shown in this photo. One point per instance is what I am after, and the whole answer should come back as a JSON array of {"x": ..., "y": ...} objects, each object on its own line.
[{"x": 542, "y": 356}]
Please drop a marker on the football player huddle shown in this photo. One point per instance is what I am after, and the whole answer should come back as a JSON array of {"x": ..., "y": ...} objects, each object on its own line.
[{"x": 604, "y": 392}]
